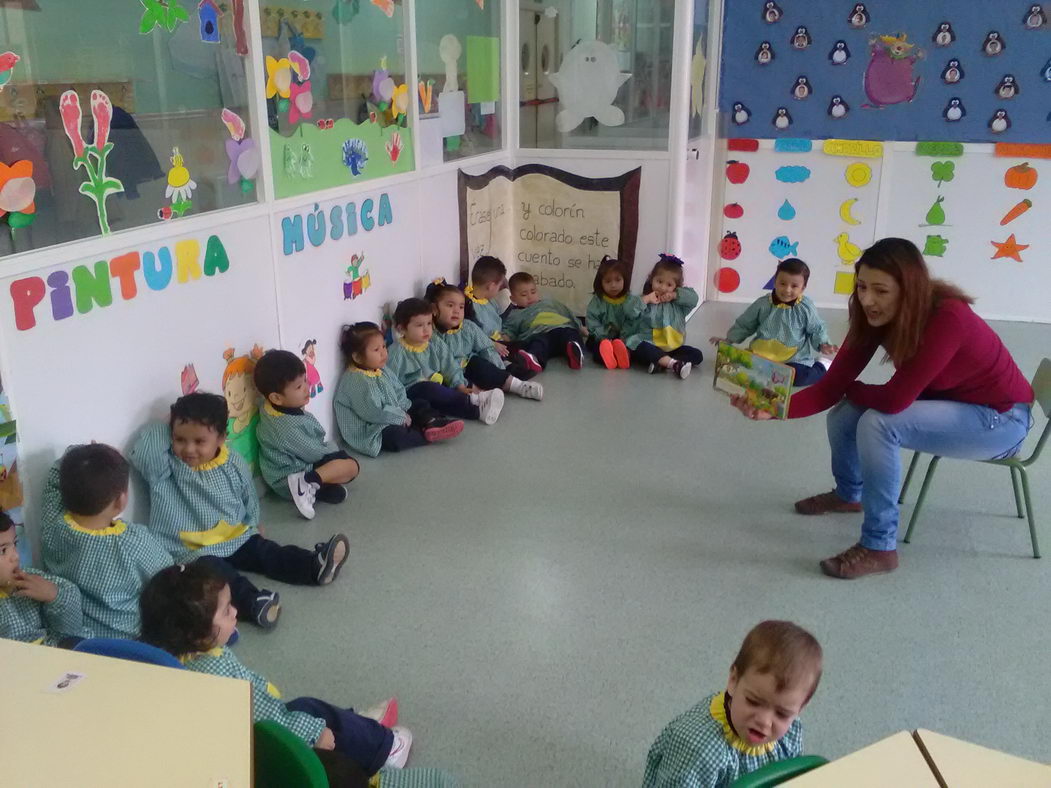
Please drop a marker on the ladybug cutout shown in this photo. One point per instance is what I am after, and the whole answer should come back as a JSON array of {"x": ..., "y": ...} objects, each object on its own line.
[{"x": 730, "y": 247}]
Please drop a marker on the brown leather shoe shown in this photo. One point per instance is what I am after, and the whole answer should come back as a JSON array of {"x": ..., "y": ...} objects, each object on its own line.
[
  {"x": 825, "y": 503},
  {"x": 858, "y": 561}
]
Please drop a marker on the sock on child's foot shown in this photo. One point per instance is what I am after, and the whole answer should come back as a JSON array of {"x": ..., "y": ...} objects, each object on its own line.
[
  {"x": 474, "y": 398},
  {"x": 526, "y": 390},
  {"x": 313, "y": 477}
]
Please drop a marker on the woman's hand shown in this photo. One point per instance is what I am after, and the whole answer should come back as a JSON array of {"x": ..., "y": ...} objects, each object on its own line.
[
  {"x": 326, "y": 741},
  {"x": 752, "y": 412}
]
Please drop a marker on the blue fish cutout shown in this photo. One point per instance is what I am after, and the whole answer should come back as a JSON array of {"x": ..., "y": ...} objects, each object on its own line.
[
  {"x": 781, "y": 247},
  {"x": 786, "y": 212}
]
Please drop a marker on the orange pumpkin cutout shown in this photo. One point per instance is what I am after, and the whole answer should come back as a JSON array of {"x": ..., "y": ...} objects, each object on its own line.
[{"x": 1021, "y": 176}]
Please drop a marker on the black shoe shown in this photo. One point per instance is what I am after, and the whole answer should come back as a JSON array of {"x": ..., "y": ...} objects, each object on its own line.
[
  {"x": 266, "y": 609},
  {"x": 332, "y": 493},
  {"x": 330, "y": 557},
  {"x": 653, "y": 369}
]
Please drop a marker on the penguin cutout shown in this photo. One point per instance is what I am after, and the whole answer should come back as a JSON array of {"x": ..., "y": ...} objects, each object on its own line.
[
  {"x": 1045, "y": 73},
  {"x": 839, "y": 53},
  {"x": 1008, "y": 87},
  {"x": 741, "y": 114},
  {"x": 999, "y": 122},
  {"x": 801, "y": 90},
  {"x": 1035, "y": 18},
  {"x": 771, "y": 12},
  {"x": 838, "y": 108},
  {"x": 765, "y": 54},
  {"x": 801, "y": 38},
  {"x": 954, "y": 110},
  {"x": 944, "y": 35},
  {"x": 953, "y": 72},
  {"x": 782, "y": 120},
  {"x": 859, "y": 17},
  {"x": 993, "y": 44}
]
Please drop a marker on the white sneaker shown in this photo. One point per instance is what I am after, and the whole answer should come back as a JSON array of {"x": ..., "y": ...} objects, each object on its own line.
[
  {"x": 825, "y": 361},
  {"x": 399, "y": 751},
  {"x": 303, "y": 494},
  {"x": 531, "y": 390},
  {"x": 490, "y": 403}
]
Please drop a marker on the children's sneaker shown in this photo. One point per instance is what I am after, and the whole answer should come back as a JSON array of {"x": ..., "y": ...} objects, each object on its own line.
[
  {"x": 529, "y": 390},
  {"x": 442, "y": 430},
  {"x": 653, "y": 369},
  {"x": 490, "y": 403},
  {"x": 575, "y": 355},
  {"x": 386, "y": 713},
  {"x": 332, "y": 493},
  {"x": 330, "y": 557},
  {"x": 266, "y": 609},
  {"x": 529, "y": 361},
  {"x": 681, "y": 368},
  {"x": 605, "y": 351},
  {"x": 399, "y": 751},
  {"x": 303, "y": 494},
  {"x": 621, "y": 354}
]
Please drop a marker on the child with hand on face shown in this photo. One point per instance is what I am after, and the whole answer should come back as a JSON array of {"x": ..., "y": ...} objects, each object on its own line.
[
  {"x": 658, "y": 341},
  {"x": 786, "y": 325},
  {"x": 372, "y": 410},
  {"x": 296, "y": 461},
  {"x": 35, "y": 607},
  {"x": 753, "y": 723},
  {"x": 427, "y": 370},
  {"x": 187, "y": 611},
  {"x": 612, "y": 313},
  {"x": 203, "y": 505},
  {"x": 539, "y": 328}
]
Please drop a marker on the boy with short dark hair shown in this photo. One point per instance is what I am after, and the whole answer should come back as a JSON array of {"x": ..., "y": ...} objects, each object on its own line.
[
  {"x": 35, "y": 607},
  {"x": 487, "y": 278},
  {"x": 296, "y": 461},
  {"x": 203, "y": 505},
  {"x": 539, "y": 328},
  {"x": 83, "y": 540}
]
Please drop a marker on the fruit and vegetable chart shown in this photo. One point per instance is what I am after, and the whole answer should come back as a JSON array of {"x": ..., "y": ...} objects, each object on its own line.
[{"x": 795, "y": 201}]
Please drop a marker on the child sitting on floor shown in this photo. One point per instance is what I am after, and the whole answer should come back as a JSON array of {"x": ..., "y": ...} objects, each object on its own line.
[
  {"x": 35, "y": 607},
  {"x": 539, "y": 328},
  {"x": 661, "y": 329},
  {"x": 786, "y": 325},
  {"x": 612, "y": 314},
  {"x": 373, "y": 411},
  {"x": 487, "y": 277},
  {"x": 471, "y": 348},
  {"x": 295, "y": 459},
  {"x": 427, "y": 370},
  {"x": 753, "y": 723},
  {"x": 203, "y": 505},
  {"x": 82, "y": 539},
  {"x": 187, "y": 611}
]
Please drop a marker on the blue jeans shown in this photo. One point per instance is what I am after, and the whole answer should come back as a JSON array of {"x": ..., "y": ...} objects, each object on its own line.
[{"x": 866, "y": 461}]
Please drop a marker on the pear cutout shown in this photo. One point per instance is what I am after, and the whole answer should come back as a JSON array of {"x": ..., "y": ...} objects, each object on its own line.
[
  {"x": 786, "y": 212},
  {"x": 936, "y": 215}
]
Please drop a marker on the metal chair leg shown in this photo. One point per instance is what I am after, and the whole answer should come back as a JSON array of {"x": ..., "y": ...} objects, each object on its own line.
[
  {"x": 908, "y": 476},
  {"x": 1029, "y": 511},
  {"x": 923, "y": 495},
  {"x": 1018, "y": 491}
]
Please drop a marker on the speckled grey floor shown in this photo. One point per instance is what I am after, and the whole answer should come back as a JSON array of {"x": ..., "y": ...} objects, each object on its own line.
[{"x": 545, "y": 594}]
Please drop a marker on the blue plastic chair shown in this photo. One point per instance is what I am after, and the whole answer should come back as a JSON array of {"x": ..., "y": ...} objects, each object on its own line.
[{"x": 132, "y": 650}]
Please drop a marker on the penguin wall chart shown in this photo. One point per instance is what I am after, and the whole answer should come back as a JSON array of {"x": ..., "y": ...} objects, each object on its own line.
[{"x": 898, "y": 70}]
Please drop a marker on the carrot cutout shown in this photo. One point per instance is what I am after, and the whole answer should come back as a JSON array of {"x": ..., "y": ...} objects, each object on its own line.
[{"x": 1015, "y": 212}]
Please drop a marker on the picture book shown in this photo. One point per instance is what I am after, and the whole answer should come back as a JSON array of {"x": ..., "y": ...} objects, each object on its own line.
[{"x": 766, "y": 384}]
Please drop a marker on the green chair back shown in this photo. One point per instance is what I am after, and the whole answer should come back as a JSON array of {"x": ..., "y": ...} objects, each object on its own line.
[
  {"x": 779, "y": 771},
  {"x": 1042, "y": 396},
  {"x": 282, "y": 760}
]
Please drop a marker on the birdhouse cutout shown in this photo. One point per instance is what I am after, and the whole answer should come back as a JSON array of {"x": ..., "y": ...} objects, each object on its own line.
[{"x": 208, "y": 15}]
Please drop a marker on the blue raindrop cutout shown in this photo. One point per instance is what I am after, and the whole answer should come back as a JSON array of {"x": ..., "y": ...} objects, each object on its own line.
[{"x": 786, "y": 212}]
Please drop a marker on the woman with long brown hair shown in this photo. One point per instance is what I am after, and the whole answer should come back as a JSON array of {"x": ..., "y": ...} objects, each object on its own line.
[{"x": 955, "y": 392}]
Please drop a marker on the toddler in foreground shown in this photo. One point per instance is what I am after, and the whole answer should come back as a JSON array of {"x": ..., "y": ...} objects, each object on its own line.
[{"x": 753, "y": 723}]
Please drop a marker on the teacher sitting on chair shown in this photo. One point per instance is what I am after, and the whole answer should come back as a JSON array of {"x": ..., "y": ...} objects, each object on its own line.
[{"x": 955, "y": 392}]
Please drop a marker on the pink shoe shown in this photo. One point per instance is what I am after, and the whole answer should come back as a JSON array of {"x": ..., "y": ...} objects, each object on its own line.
[{"x": 385, "y": 713}]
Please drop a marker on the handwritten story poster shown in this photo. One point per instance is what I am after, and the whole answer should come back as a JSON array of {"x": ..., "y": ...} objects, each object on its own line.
[{"x": 550, "y": 223}]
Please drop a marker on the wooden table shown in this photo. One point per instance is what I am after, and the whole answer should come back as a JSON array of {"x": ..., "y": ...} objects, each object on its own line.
[
  {"x": 895, "y": 761},
  {"x": 123, "y": 724},
  {"x": 961, "y": 764}
]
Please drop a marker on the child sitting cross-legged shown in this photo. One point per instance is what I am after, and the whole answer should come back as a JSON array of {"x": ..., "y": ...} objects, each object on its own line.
[
  {"x": 424, "y": 365},
  {"x": 83, "y": 540},
  {"x": 35, "y": 607},
  {"x": 203, "y": 505},
  {"x": 540, "y": 328},
  {"x": 753, "y": 723},
  {"x": 295, "y": 459},
  {"x": 659, "y": 339},
  {"x": 373, "y": 411},
  {"x": 612, "y": 314},
  {"x": 187, "y": 611}
]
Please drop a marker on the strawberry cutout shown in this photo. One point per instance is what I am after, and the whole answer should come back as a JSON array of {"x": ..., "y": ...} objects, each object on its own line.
[{"x": 730, "y": 247}]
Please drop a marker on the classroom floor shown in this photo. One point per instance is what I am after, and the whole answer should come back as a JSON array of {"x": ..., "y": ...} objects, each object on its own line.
[{"x": 545, "y": 594}]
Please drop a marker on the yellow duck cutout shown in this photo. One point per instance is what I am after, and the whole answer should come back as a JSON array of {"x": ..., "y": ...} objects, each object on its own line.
[{"x": 848, "y": 252}]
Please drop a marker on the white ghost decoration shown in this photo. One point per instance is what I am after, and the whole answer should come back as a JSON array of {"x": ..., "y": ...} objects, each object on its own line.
[{"x": 587, "y": 85}]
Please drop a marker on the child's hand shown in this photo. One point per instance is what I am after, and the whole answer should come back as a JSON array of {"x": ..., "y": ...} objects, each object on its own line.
[
  {"x": 829, "y": 350},
  {"x": 669, "y": 296},
  {"x": 741, "y": 403},
  {"x": 584, "y": 332},
  {"x": 502, "y": 350},
  {"x": 716, "y": 340},
  {"x": 35, "y": 587},
  {"x": 651, "y": 298},
  {"x": 408, "y": 420},
  {"x": 466, "y": 389},
  {"x": 326, "y": 741}
]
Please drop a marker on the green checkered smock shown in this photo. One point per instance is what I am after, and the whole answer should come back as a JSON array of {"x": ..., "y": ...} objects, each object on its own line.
[
  {"x": 525, "y": 323},
  {"x": 413, "y": 777},
  {"x": 212, "y": 509},
  {"x": 109, "y": 566},
  {"x": 486, "y": 315},
  {"x": 469, "y": 340},
  {"x": 366, "y": 403},
  {"x": 289, "y": 443},
  {"x": 38, "y": 622},
  {"x": 699, "y": 749},
  {"x": 613, "y": 318},
  {"x": 783, "y": 332},
  {"x": 664, "y": 325},
  {"x": 413, "y": 363}
]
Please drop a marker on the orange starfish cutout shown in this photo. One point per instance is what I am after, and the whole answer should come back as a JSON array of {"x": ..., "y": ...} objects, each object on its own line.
[{"x": 1009, "y": 248}]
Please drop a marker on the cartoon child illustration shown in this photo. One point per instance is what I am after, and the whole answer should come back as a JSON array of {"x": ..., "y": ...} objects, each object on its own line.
[
  {"x": 242, "y": 400},
  {"x": 310, "y": 360}
]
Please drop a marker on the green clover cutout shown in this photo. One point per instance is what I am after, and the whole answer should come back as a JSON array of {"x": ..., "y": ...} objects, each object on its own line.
[{"x": 943, "y": 172}]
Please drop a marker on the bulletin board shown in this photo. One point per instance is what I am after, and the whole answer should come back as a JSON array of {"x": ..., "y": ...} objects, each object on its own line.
[{"x": 889, "y": 87}]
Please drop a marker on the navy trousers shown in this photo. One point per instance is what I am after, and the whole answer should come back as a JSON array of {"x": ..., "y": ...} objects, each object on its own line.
[
  {"x": 808, "y": 373},
  {"x": 447, "y": 401},
  {"x": 364, "y": 741},
  {"x": 648, "y": 353},
  {"x": 550, "y": 343},
  {"x": 485, "y": 374}
]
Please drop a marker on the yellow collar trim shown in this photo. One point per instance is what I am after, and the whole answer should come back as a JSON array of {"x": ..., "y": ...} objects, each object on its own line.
[
  {"x": 371, "y": 373},
  {"x": 469, "y": 292},
  {"x": 782, "y": 305},
  {"x": 4, "y": 595},
  {"x": 212, "y": 652},
  {"x": 453, "y": 330},
  {"x": 270, "y": 410},
  {"x": 118, "y": 527},
  {"x": 219, "y": 461},
  {"x": 414, "y": 348},
  {"x": 615, "y": 301},
  {"x": 718, "y": 711}
]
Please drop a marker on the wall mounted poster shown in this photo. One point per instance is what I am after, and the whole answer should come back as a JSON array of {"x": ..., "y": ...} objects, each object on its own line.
[
  {"x": 894, "y": 70},
  {"x": 551, "y": 223}
]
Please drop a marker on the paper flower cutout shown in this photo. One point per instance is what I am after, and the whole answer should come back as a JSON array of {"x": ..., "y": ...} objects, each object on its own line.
[
  {"x": 91, "y": 157},
  {"x": 278, "y": 77},
  {"x": 386, "y": 6},
  {"x": 299, "y": 64},
  {"x": 17, "y": 192},
  {"x": 302, "y": 102},
  {"x": 233, "y": 124},
  {"x": 69, "y": 109},
  {"x": 400, "y": 100},
  {"x": 180, "y": 184},
  {"x": 394, "y": 147},
  {"x": 244, "y": 160}
]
